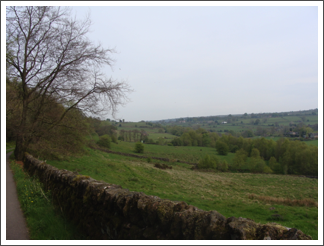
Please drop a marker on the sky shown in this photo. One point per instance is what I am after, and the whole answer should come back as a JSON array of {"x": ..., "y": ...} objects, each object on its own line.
[{"x": 190, "y": 61}]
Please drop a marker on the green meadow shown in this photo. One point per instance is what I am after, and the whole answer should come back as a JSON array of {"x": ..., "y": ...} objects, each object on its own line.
[
  {"x": 190, "y": 154},
  {"x": 261, "y": 197}
]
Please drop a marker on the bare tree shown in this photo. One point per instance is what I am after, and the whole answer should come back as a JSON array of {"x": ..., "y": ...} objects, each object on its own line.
[{"x": 51, "y": 56}]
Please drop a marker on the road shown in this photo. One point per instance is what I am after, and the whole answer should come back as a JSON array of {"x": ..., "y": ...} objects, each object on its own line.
[{"x": 16, "y": 226}]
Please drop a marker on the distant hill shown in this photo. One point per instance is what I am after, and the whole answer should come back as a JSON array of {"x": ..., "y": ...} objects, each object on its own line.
[{"x": 252, "y": 115}]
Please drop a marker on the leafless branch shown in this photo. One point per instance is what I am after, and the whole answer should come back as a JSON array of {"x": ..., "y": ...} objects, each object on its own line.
[{"x": 52, "y": 57}]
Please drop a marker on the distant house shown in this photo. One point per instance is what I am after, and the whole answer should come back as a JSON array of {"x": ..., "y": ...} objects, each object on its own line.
[
  {"x": 224, "y": 122},
  {"x": 293, "y": 134},
  {"x": 313, "y": 135}
]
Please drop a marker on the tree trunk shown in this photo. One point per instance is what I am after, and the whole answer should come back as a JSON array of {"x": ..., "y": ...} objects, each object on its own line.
[
  {"x": 21, "y": 143},
  {"x": 20, "y": 148}
]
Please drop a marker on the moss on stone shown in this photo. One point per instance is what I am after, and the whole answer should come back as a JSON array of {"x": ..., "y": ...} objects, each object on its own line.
[{"x": 80, "y": 177}]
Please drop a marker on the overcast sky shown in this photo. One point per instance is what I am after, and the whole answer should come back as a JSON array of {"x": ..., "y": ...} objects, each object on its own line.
[{"x": 201, "y": 61}]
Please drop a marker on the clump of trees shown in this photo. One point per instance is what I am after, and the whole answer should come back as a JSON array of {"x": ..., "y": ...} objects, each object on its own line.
[
  {"x": 212, "y": 162},
  {"x": 283, "y": 157},
  {"x": 199, "y": 137}
]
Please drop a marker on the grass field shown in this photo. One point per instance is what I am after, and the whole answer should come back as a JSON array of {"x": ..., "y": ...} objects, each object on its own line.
[
  {"x": 231, "y": 194},
  {"x": 174, "y": 153},
  {"x": 312, "y": 142}
]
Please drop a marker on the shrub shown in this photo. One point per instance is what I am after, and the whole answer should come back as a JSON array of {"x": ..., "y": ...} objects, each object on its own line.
[
  {"x": 238, "y": 161},
  {"x": 139, "y": 148},
  {"x": 208, "y": 162},
  {"x": 104, "y": 141},
  {"x": 222, "y": 166},
  {"x": 150, "y": 141},
  {"x": 160, "y": 141},
  {"x": 221, "y": 147},
  {"x": 114, "y": 139},
  {"x": 257, "y": 165},
  {"x": 274, "y": 165},
  {"x": 267, "y": 169},
  {"x": 176, "y": 142},
  {"x": 242, "y": 153}
]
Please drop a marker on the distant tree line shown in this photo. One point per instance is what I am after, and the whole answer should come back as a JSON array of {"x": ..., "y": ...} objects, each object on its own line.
[
  {"x": 283, "y": 156},
  {"x": 190, "y": 137},
  {"x": 133, "y": 135},
  {"x": 262, "y": 117}
]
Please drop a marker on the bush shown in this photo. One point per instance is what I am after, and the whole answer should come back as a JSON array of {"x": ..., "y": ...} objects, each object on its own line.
[
  {"x": 139, "y": 148},
  {"x": 257, "y": 165},
  {"x": 160, "y": 141},
  {"x": 104, "y": 141},
  {"x": 221, "y": 147},
  {"x": 267, "y": 169},
  {"x": 222, "y": 166},
  {"x": 208, "y": 162},
  {"x": 150, "y": 141},
  {"x": 274, "y": 165},
  {"x": 238, "y": 161},
  {"x": 114, "y": 139}
]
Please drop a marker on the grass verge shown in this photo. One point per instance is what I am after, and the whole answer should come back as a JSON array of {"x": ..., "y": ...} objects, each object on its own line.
[{"x": 43, "y": 220}]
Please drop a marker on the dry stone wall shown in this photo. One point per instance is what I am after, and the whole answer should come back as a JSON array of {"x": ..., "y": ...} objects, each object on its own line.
[{"x": 106, "y": 211}]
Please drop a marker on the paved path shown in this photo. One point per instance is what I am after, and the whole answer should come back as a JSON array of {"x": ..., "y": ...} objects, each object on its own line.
[{"x": 16, "y": 227}]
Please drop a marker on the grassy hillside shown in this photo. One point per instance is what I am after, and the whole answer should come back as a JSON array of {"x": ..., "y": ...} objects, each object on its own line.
[{"x": 261, "y": 197}]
